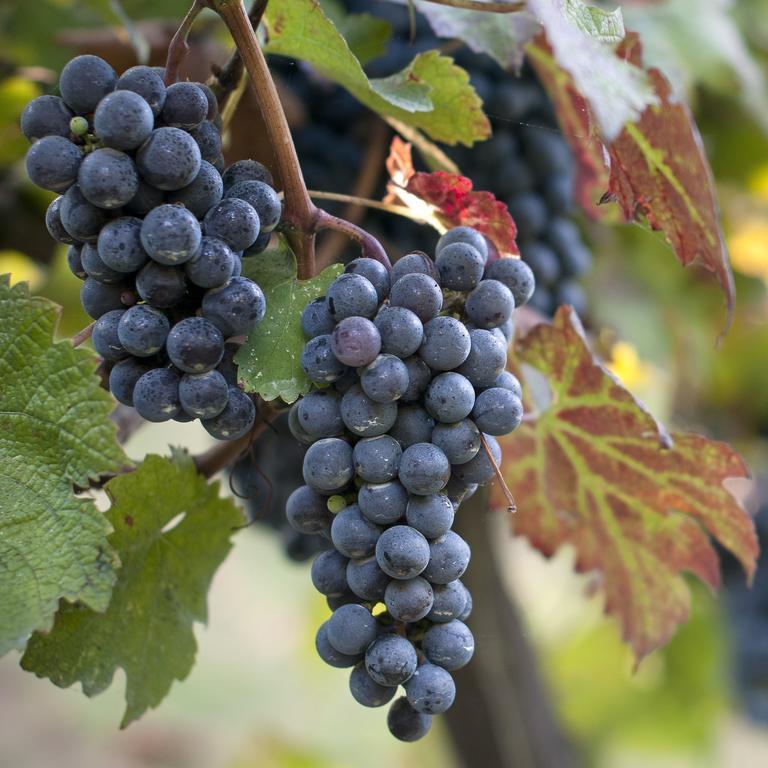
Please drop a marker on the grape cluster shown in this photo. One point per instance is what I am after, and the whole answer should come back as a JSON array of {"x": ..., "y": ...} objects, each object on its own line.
[
  {"x": 156, "y": 230},
  {"x": 411, "y": 393}
]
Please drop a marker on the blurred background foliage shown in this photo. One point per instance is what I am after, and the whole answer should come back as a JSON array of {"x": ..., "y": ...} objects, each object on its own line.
[{"x": 258, "y": 697}]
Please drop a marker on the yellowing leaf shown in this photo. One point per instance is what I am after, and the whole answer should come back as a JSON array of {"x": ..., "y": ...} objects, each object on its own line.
[
  {"x": 596, "y": 471},
  {"x": 431, "y": 93}
]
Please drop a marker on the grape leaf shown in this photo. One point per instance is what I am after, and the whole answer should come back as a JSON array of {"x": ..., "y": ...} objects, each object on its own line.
[
  {"x": 616, "y": 90},
  {"x": 593, "y": 469},
  {"x": 448, "y": 199},
  {"x": 431, "y": 93},
  {"x": 167, "y": 568},
  {"x": 273, "y": 266},
  {"x": 656, "y": 167},
  {"x": 659, "y": 168},
  {"x": 501, "y": 36},
  {"x": 55, "y": 431},
  {"x": 269, "y": 360},
  {"x": 366, "y": 35}
]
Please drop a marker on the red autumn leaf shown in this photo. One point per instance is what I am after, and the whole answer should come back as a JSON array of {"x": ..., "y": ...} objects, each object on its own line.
[
  {"x": 596, "y": 471},
  {"x": 449, "y": 199},
  {"x": 659, "y": 169},
  {"x": 656, "y": 167}
]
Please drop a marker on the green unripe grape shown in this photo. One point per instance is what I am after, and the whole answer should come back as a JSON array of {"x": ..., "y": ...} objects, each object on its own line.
[
  {"x": 78, "y": 126},
  {"x": 336, "y": 504}
]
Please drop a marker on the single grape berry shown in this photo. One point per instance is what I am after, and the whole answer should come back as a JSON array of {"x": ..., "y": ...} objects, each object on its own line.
[
  {"x": 53, "y": 223},
  {"x": 146, "y": 83},
  {"x": 53, "y": 163},
  {"x": 120, "y": 245},
  {"x": 170, "y": 234},
  {"x": 156, "y": 395},
  {"x": 446, "y": 343},
  {"x": 105, "y": 339},
  {"x": 46, "y": 116},
  {"x": 419, "y": 293},
  {"x": 355, "y": 340},
  {"x": 195, "y": 345},
  {"x": 234, "y": 221},
  {"x": 123, "y": 120},
  {"x": 236, "y": 420},
  {"x": 246, "y": 170},
  {"x": 400, "y": 329},
  {"x": 460, "y": 265},
  {"x": 84, "y": 81},
  {"x": 169, "y": 159},
  {"x": 186, "y": 106},
  {"x": 352, "y": 295},
  {"x": 143, "y": 330},
  {"x": 328, "y": 465},
  {"x": 385, "y": 379},
  {"x": 108, "y": 178},
  {"x": 95, "y": 267},
  {"x": 235, "y": 307},
  {"x": 203, "y": 395}
]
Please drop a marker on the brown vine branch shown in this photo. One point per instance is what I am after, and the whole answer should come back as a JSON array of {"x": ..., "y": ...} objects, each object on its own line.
[
  {"x": 83, "y": 335},
  {"x": 299, "y": 215},
  {"x": 178, "y": 47},
  {"x": 397, "y": 210},
  {"x": 227, "y": 80},
  {"x": 512, "y": 508},
  {"x": 480, "y": 5}
]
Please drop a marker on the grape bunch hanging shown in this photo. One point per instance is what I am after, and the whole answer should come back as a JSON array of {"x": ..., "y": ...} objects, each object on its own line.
[
  {"x": 411, "y": 393},
  {"x": 157, "y": 233}
]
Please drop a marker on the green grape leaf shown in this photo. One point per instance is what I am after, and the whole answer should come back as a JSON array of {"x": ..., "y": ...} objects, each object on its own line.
[
  {"x": 367, "y": 36},
  {"x": 269, "y": 360},
  {"x": 431, "y": 93},
  {"x": 172, "y": 531},
  {"x": 55, "y": 431},
  {"x": 272, "y": 267}
]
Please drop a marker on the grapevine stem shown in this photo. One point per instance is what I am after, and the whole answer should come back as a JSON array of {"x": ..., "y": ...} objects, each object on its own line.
[
  {"x": 496, "y": 471},
  {"x": 83, "y": 335},
  {"x": 398, "y": 210},
  {"x": 300, "y": 214},
  {"x": 179, "y": 48},
  {"x": 480, "y": 5},
  {"x": 370, "y": 246},
  {"x": 228, "y": 81}
]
